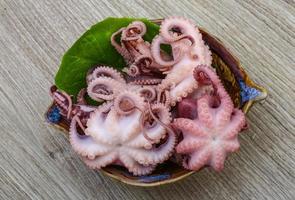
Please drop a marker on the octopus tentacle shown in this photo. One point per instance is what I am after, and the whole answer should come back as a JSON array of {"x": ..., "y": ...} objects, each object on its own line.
[
  {"x": 134, "y": 167},
  {"x": 132, "y": 45},
  {"x": 205, "y": 74},
  {"x": 70, "y": 104},
  {"x": 101, "y": 161},
  {"x": 81, "y": 97},
  {"x": 218, "y": 160},
  {"x": 85, "y": 145},
  {"x": 155, "y": 155},
  {"x": 201, "y": 91},
  {"x": 164, "y": 97},
  {"x": 232, "y": 146},
  {"x": 190, "y": 144},
  {"x": 178, "y": 25},
  {"x": 154, "y": 127},
  {"x": 188, "y": 126},
  {"x": 204, "y": 111},
  {"x": 197, "y": 160},
  {"x": 134, "y": 31},
  {"x": 148, "y": 93},
  {"x": 120, "y": 49},
  {"x": 133, "y": 70},
  {"x": 104, "y": 88},
  {"x": 144, "y": 63},
  {"x": 208, "y": 56},
  {"x": 126, "y": 102},
  {"x": 238, "y": 121},
  {"x": 100, "y": 126},
  {"x": 59, "y": 99},
  {"x": 151, "y": 81},
  {"x": 151, "y": 131},
  {"x": 63, "y": 100},
  {"x": 105, "y": 71},
  {"x": 157, "y": 56}
]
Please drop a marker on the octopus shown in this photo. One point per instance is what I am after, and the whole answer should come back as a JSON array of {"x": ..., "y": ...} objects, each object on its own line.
[
  {"x": 209, "y": 125},
  {"x": 131, "y": 128},
  {"x": 114, "y": 134},
  {"x": 135, "y": 50},
  {"x": 137, "y": 122},
  {"x": 188, "y": 51}
]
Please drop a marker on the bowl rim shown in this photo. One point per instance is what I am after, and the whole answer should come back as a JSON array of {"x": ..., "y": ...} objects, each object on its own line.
[{"x": 246, "y": 107}]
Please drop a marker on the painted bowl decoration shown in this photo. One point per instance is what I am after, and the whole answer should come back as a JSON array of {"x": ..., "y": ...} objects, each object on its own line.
[{"x": 151, "y": 102}]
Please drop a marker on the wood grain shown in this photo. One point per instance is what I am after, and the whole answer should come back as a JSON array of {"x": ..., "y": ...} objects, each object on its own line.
[{"x": 36, "y": 161}]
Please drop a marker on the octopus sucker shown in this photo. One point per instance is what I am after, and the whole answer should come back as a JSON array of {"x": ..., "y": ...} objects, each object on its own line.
[
  {"x": 159, "y": 105},
  {"x": 207, "y": 56},
  {"x": 151, "y": 81}
]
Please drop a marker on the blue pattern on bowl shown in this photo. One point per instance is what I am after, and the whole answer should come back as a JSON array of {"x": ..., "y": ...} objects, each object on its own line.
[
  {"x": 247, "y": 93},
  {"x": 154, "y": 178},
  {"x": 54, "y": 115}
]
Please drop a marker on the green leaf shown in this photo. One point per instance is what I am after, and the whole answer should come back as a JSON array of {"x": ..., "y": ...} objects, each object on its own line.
[{"x": 94, "y": 47}]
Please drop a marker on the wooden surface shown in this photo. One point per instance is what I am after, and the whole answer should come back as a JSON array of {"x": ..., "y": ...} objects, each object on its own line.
[{"x": 36, "y": 160}]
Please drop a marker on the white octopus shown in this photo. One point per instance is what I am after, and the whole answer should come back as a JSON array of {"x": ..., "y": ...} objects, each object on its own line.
[{"x": 121, "y": 131}]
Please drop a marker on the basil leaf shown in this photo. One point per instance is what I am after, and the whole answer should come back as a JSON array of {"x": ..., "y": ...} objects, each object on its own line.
[{"x": 94, "y": 47}]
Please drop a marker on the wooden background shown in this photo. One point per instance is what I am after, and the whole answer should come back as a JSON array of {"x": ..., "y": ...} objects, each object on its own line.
[{"x": 37, "y": 161}]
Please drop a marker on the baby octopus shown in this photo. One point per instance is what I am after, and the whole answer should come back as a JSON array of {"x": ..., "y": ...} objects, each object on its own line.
[
  {"x": 136, "y": 52},
  {"x": 210, "y": 126},
  {"x": 129, "y": 129},
  {"x": 188, "y": 51}
]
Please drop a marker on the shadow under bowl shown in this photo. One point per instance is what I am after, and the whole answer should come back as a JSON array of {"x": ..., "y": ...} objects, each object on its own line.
[{"x": 243, "y": 91}]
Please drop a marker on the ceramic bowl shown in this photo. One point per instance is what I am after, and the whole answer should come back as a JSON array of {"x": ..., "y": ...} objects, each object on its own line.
[{"x": 243, "y": 91}]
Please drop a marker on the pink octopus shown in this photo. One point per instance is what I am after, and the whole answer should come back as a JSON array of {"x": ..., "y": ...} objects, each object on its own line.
[
  {"x": 210, "y": 125},
  {"x": 136, "y": 53},
  {"x": 188, "y": 51}
]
